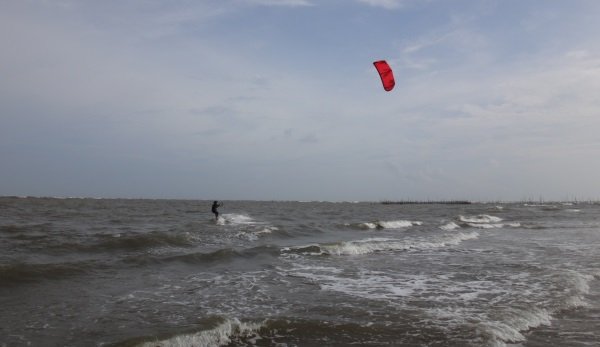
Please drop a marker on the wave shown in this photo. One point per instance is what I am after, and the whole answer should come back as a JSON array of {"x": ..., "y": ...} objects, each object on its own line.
[
  {"x": 218, "y": 256},
  {"x": 143, "y": 241},
  {"x": 398, "y": 224},
  {"x": 252, "y": 229},
  {"x": 230, "y": 331},
  {"x": 465, "y": 305},
  {"x": 513, "y": 322},
  {"x": 394, "y": 224},
  {"x": 291, "y": 331},
  {"x": 450, "y": 226},
  {"x": 13, "y": 229},
  {"x": 22, "y": 229},
  {"x": 544, "y": 207},
  {"x": 52, "y": 242},
  {"x": 236, "y": 219},
  {"x": 496, "y": 324},
  {"x": 505, "y": 324},
  {"x": 485, "y": 225},
  {"x": 255, "y": 235},
  {"x": 482, "y": 218},
  {"x": 131, "y": 242},
  {"x": 484, "y": 221},
  {"x": 508, "y": 326},
  {"x": 372, "y": 245},
  {"x": 20, "y": 273}
]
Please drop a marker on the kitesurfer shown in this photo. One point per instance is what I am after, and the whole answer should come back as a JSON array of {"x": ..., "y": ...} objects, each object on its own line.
[{"x": 215, "y": 206}]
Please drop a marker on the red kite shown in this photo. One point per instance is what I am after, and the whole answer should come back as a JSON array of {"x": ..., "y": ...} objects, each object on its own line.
[{"x": 386, "y": 74}]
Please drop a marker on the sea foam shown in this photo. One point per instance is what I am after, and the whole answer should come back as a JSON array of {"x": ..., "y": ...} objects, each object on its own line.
[
  {"x": 484, "y": 221},
  {"x": 234, "y": 218},
  {"x": 450, "y": 226},
  {"x": 219, "y": 336},
  {"x": 482, "y": 218},
  {"x": 379, "y": 244},
  {"x": 395, "y": 224}
]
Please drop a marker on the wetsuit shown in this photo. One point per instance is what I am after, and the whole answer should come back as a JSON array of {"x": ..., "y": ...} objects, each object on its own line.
[{"x": 214, "y": 209}]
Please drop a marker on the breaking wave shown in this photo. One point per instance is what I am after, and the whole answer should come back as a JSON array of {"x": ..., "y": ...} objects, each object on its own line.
[
  {"x": 372, "y": 245},
  {"x": 394, "y": 224},
  {"x": 482, "y": 218},
  {"x": 397, "y": 224},
  {"x": 228, "y": 332},
  {"x": 508, "y": 325},
  {"x": 484, "y": 221},
  {"x": 450, "y": 226}
]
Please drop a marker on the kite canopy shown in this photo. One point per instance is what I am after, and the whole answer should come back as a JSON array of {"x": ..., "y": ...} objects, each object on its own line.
[{"x": 386, "y": 74}]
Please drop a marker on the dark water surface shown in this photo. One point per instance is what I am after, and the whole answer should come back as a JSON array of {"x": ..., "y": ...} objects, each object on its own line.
[{"x": 89, "y": 272}]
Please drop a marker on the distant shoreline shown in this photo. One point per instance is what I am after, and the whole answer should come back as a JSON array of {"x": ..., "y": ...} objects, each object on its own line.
[{"x": 416, "y": 202}]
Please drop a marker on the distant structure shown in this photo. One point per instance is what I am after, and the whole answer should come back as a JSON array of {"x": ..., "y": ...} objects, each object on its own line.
[{"x": 415, "y": 202}]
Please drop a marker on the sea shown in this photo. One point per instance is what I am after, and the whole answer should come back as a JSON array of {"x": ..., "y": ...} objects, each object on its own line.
[{"x": 162, "y": 273}]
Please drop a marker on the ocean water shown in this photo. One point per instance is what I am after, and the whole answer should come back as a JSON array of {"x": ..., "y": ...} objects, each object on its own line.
[{"x": 96, "y": 272}]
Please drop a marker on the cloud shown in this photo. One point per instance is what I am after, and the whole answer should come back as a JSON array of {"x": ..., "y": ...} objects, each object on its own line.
[
  {"x": 387, "y": 4},
  {"x": 214, "y": 94},
  {"x": 310, "y": 138},
  {"x": 290, "y": 3}
]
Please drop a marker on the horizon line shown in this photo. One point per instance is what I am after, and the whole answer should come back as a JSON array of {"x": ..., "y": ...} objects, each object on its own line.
[{"x": 380, "y": 201}]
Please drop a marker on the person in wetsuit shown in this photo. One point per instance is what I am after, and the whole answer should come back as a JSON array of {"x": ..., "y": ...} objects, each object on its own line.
[{"x": 215, "y": 206}]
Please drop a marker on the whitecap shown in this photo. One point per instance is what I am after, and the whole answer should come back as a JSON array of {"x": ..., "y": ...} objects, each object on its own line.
[
  {"x": 218, "y": 336},
  {"x": 370, "y": 225},
  {"x": 371, "y": 245},
  {"x": 482, "y": 218},
  {"x": 485, "y": 226},
  {"x": 394, "y": 224},
  {"x": 450, "y": 226},
  {"x": 509, "y": 328},
  {"x": 399, "y": 224}
]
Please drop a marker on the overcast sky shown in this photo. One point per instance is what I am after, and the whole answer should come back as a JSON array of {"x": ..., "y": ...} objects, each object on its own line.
[{"x": 279, "y": 100}]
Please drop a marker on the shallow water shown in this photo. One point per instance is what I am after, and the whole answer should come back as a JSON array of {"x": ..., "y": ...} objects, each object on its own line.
[{"x": 93, "y": 272}]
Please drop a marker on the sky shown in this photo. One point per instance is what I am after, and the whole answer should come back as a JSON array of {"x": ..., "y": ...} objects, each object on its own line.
[{"x": 495, "y": 100}]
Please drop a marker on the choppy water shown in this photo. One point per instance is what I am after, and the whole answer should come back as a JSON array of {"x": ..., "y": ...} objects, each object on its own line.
[{"x": 85, "y": 272}]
